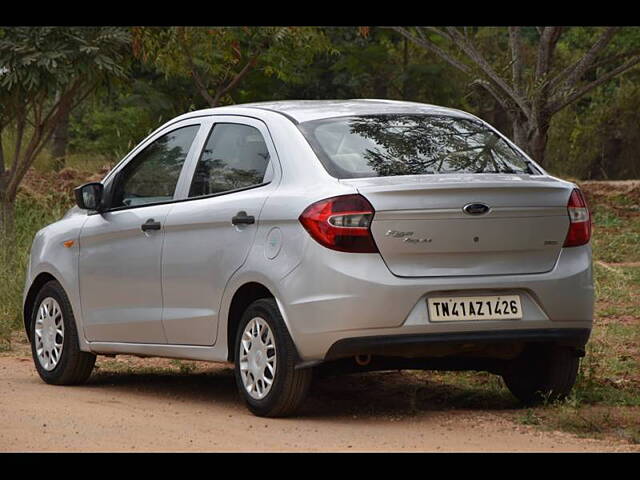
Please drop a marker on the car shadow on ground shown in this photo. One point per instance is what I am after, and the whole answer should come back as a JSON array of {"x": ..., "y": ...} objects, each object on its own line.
[
  {"x": 194, "y": 387},
  {"x": 399, "y": 393},
  {"x": 391, "y": 393}
]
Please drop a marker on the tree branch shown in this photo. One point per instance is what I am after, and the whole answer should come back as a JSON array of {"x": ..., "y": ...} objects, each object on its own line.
[
  {"x": 20, "y": 124},
  {"x": 434, "y": 48},
  {"x": 42, "y": 132},
  {"x": 462, "y": 42},
  {"x": 517, "y": 68},
  {"x": 548, "y": 40},
  {"x": 200, "y": 85},
  {"x": 561, "y": 103},
  {"x": 22, "y": 164},
  {"x": 437, "y": 31},
  {"x": 572, "y": 73},
  {"x": 202, "y": 88},
  {"x": 66, "y": 97},
  {"x": 2, "y": 166},
  {"x": 81, "y": 98},
  {"x": 613, "y": 58},
  {"x": 234, "y": 82},
  {"x": 491, "y": 89}
]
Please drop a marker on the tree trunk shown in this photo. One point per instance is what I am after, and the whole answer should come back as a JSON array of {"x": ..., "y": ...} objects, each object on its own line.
[
  {"x": 538, "y": 144},
  {"x": 405, "y": 68},
  {"x": 7, "y": 219},
  {"x": 60, "y": 140},
  {"x": 520, "y": 128},
  {"x": 379, "y": 88},
  {"x": 531, "y": 139}
]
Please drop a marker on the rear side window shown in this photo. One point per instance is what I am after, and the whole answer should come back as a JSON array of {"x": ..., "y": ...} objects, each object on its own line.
[
  {"x": 235, "y": 156},
  {"x": 152, "y": 176},
  {"x": 402, "y": 144}
]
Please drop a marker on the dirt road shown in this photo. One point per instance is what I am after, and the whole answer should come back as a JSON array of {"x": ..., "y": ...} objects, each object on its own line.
[{"x": 145, "y": 405}]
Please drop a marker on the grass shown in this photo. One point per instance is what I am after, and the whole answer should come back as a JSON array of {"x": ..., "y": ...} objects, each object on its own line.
[
  {"x": 43, "y": 199},
  {"x": 31, "y": 216}
]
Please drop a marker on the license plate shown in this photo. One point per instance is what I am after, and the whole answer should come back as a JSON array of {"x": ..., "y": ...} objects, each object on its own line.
[{"x": 449, "y": 309}]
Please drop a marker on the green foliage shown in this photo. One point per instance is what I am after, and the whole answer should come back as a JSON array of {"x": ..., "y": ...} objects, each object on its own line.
[
  {"x": 44, "y": 73},
  {"x": 31, "y": 215},
  {"x": 597, "y": 138},
  {"x": 215, "y": 57},
  {"x": 118, "y": 119},
  {"x": 39, "y": 62},
  {"x": 48, "y": 58}
]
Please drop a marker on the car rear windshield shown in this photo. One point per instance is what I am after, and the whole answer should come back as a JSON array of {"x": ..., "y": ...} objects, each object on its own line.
[{"x": 399, "y": 144}]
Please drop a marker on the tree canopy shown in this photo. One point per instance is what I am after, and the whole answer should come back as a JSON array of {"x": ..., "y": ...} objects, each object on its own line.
[
  {"x": 546, "y": 75},
  {"x": 218, "y": 59},
  {"x": 44, "y": 73}
]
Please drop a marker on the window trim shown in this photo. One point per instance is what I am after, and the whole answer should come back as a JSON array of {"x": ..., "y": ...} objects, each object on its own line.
[
  {"x": 112, "y": 177},
  {"x": 208, "y": 126},
  {"x": 206, "y": 123},
  {"x": 269, "y": 165},
  {"x": 180, "y": 200}
]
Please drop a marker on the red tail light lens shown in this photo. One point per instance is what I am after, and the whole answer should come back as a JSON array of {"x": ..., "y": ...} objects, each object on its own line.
[
  {"x": 580, "y": 227},
  {"x": 341, "y": 223}
]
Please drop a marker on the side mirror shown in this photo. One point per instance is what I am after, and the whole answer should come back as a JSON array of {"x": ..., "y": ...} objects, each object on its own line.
[{"x": 89, "y": 196}]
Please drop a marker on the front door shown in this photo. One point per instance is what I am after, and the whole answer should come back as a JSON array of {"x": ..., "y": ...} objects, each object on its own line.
[{"x": 120, "y": 248}]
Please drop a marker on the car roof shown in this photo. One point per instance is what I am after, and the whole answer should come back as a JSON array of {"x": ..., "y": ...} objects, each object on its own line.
[{"x": 306, "y": 110}]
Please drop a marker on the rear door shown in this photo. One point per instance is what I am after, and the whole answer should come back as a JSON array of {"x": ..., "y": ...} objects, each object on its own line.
[{"x": 209, "y": 233}]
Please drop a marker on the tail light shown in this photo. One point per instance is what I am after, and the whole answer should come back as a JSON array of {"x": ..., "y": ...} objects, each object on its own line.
[
  {"x": 580, "y": 227},
  {"x": 341, "y": 223}
]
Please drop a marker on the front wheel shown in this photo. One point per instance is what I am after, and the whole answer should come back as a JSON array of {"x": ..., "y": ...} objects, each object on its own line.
[
  {"x": 265, "y": 358},
  {"x": 54, "y": 339},
  {"x": 545, "y": 374}
]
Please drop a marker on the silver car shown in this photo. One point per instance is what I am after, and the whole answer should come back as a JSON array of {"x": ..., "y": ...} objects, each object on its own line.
[{"x": 298, "y": 236}]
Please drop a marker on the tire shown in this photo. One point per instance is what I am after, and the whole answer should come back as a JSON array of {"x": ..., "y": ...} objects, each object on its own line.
[
  {"x": 543, "y": 375},
  {"x": 289, "y": 386},
  {"x": 72, "y": 366}
]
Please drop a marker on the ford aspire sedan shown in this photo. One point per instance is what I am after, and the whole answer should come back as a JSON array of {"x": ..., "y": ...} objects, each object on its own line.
[{"x": 299, "y": 236}]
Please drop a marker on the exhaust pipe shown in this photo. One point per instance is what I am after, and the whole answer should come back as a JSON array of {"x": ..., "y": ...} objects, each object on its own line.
[{"x": 363, "y": 360}]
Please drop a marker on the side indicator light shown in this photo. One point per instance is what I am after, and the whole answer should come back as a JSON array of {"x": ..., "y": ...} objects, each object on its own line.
[{"x": 69, "y": 243}]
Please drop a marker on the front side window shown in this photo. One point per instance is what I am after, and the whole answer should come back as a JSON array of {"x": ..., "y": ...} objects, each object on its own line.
[
  {"x": 235, "y": 156},
  {"x": 152, "y": 176},
  {"x": 409, "y": 144}
]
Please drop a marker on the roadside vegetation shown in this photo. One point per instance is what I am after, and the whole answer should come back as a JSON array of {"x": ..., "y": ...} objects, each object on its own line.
[{"x": 44, "y": 197}]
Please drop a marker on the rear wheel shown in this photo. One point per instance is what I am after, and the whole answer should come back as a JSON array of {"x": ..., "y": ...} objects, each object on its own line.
[
  {"x": 265, "y": 358},
  {"x": 54, "y": 339},
  {"x": 545, "y": 374}
]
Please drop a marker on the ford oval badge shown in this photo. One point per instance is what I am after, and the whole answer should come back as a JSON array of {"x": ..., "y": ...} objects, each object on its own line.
[{"x": 476, "y": 209}]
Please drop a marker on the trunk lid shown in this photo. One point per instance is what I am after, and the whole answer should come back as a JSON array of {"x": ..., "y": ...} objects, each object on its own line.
[{"x": 421, "y": 229}]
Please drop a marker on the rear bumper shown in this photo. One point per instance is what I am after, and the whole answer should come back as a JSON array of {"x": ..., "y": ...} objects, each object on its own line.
[
  {"x": 334, "y": 298},
  {"x": 399, "y": 345}
]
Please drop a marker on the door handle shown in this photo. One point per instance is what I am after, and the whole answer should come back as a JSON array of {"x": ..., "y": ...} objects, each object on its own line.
[
  {"x": 150, "y": 224},
  {"x": 242, "y": 218}
]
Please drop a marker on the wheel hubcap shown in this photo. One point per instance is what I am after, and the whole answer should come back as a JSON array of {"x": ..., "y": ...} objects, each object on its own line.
[
  {"x": 257, "y": 358},
  {"x": 49, "y": 333}
]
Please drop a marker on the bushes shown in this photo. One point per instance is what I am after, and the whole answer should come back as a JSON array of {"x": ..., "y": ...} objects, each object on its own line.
[
  {"x": 33, "y": 211},
  {"x": 598, "y": 138}
]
